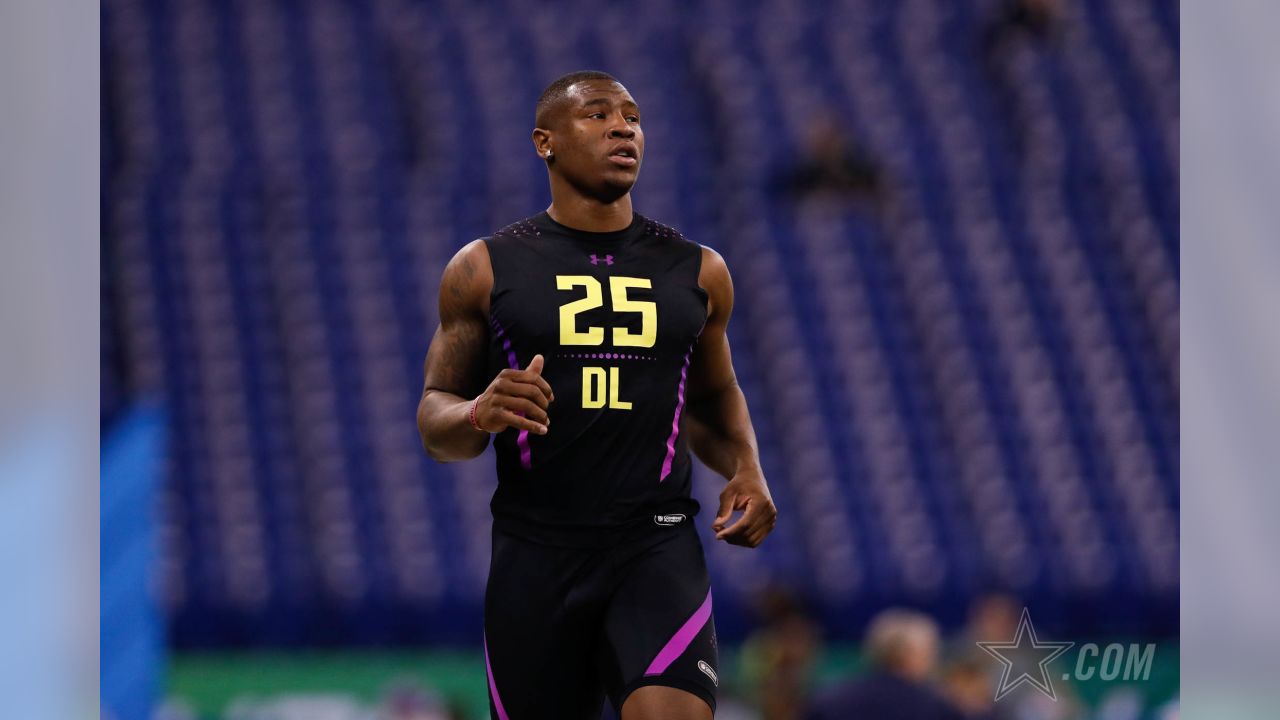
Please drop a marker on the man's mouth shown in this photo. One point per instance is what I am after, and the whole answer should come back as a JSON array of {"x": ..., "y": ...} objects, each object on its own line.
[{"x": 624, "y": 155}]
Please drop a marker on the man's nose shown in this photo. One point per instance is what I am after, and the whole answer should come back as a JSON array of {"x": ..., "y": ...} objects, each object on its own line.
[{"x": 622, "y": 130}]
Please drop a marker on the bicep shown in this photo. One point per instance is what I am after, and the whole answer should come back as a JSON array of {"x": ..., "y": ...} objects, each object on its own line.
[
  {"x": 711, "y": 367},
  {"x": 456, "y": 358}
]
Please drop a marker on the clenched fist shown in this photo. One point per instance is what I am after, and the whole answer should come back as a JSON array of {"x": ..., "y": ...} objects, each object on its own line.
[{"x": 517, "y": 399}]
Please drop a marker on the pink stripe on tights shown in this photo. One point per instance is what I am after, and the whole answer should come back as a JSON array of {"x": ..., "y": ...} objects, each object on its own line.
[{"x": 679, "y": 642}]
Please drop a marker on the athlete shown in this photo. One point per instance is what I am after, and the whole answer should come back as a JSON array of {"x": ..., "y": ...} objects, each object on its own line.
[{"x": 589, "y": 342}]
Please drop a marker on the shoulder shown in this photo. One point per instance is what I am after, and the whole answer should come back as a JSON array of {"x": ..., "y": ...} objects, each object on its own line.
[
  {"x": 714, "y": 268},
  {"x": 467, "y": 279},
  {"x": 714, "y": 278},
  {"x": 468, "y": 257}
]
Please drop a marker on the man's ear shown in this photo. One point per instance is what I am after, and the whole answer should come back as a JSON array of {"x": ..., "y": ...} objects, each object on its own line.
[{"x": 542, "y": 143}]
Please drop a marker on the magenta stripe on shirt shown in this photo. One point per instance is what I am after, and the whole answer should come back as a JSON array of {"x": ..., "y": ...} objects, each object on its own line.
[
  {"x": 679, "y": 642},
  {"x": 522, "y": 440},
  {"x": 675, "y": 420},
  {"x": 493, "y": 688}
]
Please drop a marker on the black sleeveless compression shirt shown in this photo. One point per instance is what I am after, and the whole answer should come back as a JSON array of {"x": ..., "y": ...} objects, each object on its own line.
[{"x": 616, "y": 317}]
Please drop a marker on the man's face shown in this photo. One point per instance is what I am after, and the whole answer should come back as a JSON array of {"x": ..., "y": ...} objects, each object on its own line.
[{"x": 596, "y": 139}]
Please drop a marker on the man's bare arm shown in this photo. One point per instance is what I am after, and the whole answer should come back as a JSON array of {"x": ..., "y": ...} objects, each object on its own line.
[
  {"x": 719, "y": 424},
  {"x": 455, "y": 362},
  {"x": 454, "y": 371},
  {"x": 720, "y": 431}
]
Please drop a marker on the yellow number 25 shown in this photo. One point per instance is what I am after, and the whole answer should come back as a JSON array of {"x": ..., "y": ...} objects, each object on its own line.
[{"x": 618, "y": 286}]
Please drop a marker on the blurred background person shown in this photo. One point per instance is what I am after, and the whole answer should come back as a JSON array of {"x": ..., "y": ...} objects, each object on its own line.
[
  {"x": 994, "y": 617},
  {"x": 1016, "y": 31},
  {"x": 1037, "y": 20},
  {"x": 902, "y": 649},
  {"x": 966, "y": 684},
  {"x": 833, "y": 165},
  {"x": 778, "y": 658}
]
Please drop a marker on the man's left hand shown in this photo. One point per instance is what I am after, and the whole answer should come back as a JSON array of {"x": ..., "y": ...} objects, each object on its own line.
[{"x": 747, "y": 492}]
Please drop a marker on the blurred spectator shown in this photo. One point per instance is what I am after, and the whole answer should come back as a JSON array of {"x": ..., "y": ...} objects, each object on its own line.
[
  {"x": 902, "y": 650},
  {"x": 966, "y": 683},
  {"x": 992, "y": 617},
  {"x": 833, "y": 164},
  {"x": 777, "y": 659},
  {"x": 1034, "y": 22}
]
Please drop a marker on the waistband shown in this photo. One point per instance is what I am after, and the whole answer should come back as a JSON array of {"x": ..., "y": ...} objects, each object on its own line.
[{"x": 670, "y": 514}]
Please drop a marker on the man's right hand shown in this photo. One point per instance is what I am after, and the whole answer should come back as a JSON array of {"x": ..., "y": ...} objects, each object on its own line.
[{"x": 516, "y": 398}]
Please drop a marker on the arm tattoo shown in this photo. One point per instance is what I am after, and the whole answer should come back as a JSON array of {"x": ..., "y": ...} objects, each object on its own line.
[
  {"x": 458, "y": 285},
  {"x": 455, "y": 362}
]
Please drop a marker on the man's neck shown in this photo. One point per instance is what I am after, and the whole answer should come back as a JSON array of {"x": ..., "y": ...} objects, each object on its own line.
[{"x": 589, "y": 215}]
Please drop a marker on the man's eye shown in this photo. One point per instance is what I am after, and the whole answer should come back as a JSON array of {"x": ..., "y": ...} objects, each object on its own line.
[
  {"x": 633, "y": 118},
  {"x": 599, "y": 115}
]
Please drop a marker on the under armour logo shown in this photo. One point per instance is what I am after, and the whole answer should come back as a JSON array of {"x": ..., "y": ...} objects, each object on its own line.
[{"x": 607, "y": 259}]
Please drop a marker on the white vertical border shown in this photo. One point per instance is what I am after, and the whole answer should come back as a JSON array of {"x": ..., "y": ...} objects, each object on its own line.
[
  {"x": 49, "y": 337},
  {"x": 1230, "y": 387}
]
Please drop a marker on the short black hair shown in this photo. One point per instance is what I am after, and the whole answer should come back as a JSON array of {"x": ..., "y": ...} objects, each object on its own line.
[{"x": 559, "y": 89}]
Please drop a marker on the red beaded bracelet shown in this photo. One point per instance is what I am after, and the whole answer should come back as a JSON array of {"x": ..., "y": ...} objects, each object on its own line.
[{"x": 471, "y": 415}]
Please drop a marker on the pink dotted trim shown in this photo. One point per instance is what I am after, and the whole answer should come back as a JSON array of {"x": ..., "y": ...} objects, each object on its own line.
[{"x": 606, "y": 356}]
